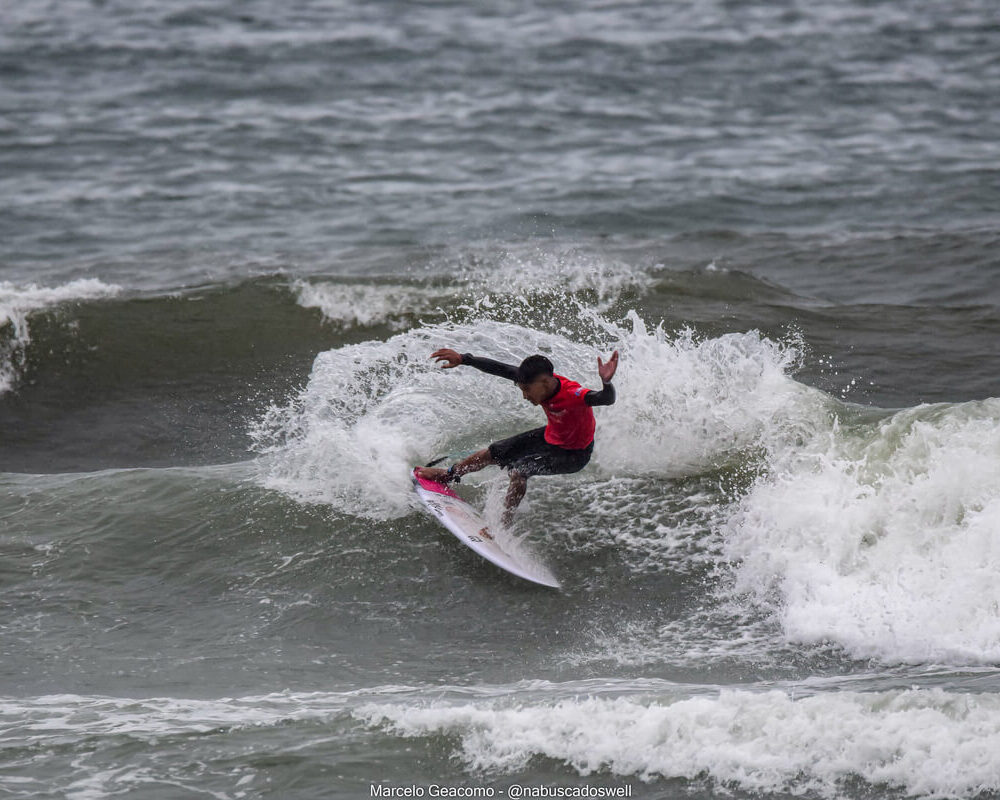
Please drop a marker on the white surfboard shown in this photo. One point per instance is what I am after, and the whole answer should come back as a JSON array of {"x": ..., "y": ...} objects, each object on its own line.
[{"x": 472, "y": 530}]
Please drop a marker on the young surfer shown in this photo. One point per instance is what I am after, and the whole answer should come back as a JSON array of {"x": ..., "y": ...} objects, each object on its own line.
[{"x": 562, "y": 446}]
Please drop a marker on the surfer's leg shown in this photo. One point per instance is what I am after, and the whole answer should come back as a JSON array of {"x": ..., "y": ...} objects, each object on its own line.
[
  {"x": 515, "y": 494},
  {"x": 474, "y": 463}
]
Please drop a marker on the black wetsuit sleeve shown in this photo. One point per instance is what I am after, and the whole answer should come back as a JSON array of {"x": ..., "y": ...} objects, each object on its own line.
[
  {"x": 490, "y": 366},
  {"x": 605, "y": 397}
]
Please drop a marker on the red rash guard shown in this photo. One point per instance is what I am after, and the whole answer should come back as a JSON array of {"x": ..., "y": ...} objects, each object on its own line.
[{"x": 571, "y": 420}]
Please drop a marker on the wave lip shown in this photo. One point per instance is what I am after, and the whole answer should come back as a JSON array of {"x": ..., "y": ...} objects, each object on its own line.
[
  {"x": 357, "y": 305},
  {"x": 477, "y": 282},
  {"x": 16, "y": 305}
]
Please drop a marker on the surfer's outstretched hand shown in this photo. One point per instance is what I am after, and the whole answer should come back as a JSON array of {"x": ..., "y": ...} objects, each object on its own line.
[
  {"x": 606, "y": 370},
  {"x": 451, "y": 358}
]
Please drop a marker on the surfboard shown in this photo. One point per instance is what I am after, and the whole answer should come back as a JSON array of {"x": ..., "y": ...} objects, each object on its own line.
[{"x": 471, "y": 529}]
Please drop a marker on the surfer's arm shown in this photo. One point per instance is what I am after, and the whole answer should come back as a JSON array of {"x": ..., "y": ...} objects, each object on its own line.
[
  {"x": 606, "y": 370},
  {"x": 449, "y": 359},
  {"x": 605, "y": 397},
  {"x": 490, "y": 366}
]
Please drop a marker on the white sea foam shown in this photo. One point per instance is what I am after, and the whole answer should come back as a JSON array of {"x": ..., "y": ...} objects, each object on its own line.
[
  {"x": 786, "y": 738},
  {"x": 928, "y": 743},
  {"x": 815, "y": 736},
  {"x": 879, "y": 539},
  {"x": 16, "y": 305},
  {"x": 884, "y": 539},
  {"x": 686, "y": 404}
]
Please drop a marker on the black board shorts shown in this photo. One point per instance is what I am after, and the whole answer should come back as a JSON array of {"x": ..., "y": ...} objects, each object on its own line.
[{"x": 529, "y": 454}]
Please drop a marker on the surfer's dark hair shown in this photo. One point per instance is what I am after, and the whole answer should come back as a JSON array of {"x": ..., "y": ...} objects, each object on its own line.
[{"x": 532, "y": 367}]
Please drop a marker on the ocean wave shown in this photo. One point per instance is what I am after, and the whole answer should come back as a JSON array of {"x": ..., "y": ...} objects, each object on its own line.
[
  {"x": 17, "y": 304},
  {"x": 857, "y": 533},
  {"x": 830, "y": 525},
  {"x": 805, "y": 738},
  {"x": 882, "y": 538},
  {"x": 928, "y": 743}
]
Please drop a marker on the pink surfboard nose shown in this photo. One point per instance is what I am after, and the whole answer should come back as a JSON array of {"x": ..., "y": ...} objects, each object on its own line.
[{"x": 432, "y": 486}]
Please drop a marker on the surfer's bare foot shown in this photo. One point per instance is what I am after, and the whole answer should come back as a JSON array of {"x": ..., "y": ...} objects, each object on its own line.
[{"x": 432, "y": 474}]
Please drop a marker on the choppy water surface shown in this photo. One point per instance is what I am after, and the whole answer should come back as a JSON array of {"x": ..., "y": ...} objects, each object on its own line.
[{"x": 233, "y": 233}]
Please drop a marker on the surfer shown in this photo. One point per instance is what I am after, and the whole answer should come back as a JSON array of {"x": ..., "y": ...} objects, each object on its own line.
[{"x": 561, "y": 447}]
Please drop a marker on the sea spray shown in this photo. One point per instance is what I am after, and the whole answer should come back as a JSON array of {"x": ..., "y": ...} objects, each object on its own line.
[
  {"x": 688, "y": 403},
  {"x": 371, "y": 410}
]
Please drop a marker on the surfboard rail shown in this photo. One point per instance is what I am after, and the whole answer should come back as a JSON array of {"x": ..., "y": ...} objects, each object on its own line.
[{"x": 468, "y": 526}]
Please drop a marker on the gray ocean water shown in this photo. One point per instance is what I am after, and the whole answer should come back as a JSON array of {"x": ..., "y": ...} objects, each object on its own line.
[{"x": 231, "y": 234}]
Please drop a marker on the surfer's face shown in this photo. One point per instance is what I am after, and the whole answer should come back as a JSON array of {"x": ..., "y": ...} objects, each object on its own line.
[{"x": 538, "y": 391}]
